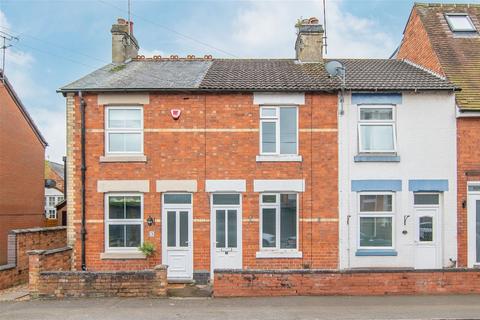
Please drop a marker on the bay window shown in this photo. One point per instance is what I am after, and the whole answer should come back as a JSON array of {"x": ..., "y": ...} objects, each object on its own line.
[
  {"x": 278, "y": 131},
  {"x": 376, "y": 218},
  {"x": 124, "y": 130},
  {"x": 123, "y": 222},
  {"x": 279, "y": 221},
  {"x": 376, "y": 129}
]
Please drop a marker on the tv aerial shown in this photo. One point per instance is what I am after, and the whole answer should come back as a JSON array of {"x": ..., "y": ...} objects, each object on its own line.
[{"x": 337, "y": 69}]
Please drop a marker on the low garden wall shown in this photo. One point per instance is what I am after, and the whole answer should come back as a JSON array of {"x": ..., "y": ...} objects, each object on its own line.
[
  {"x": 19, "y": 243},
  {"x": 47, "y": 280},
  {"x": 238, "y": 283}
]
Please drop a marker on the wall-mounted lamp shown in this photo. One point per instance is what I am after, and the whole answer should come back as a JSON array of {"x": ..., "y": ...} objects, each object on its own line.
[
  {"x": 150, "y": 221},
  {"x": 464, "y": 204}
]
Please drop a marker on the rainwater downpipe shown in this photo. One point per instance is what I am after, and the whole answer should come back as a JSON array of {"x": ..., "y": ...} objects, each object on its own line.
[{"x": 83, "y": 231}]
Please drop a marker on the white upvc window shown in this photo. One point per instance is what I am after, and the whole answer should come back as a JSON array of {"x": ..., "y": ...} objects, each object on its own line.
[
  {"x": 124, "y": 130},
  {"x": 279, "y": 130},
  {"x": 460, "y": 22},
  {"x": 279, "y": 221},
  {"x": 376, "y": 220},
  {"x": 123, "y": 221},
  {"x": 50, "y": 206},
  {"x": 51, "y": 214},
  {"x": 376, "y": 129}
]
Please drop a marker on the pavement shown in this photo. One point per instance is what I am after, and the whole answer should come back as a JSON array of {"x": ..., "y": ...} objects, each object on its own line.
[{"x": 387, "y": 307}]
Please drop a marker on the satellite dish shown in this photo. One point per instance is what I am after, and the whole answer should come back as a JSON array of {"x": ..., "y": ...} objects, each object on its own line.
[{"x": 335, "y": 68}]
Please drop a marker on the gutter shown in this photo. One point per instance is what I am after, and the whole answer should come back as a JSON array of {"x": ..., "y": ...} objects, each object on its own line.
[{"x": 83, "y": 106}]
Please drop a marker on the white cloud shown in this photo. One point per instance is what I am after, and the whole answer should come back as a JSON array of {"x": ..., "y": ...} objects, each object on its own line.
[
  {"x": 150, "y": 53},
  {"x": 52, "y": 125},
  {"x": 266, "y": 29},
  {"x": 51, "y": 121}
]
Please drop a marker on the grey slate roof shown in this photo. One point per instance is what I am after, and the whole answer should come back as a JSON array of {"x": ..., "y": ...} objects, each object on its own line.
[
  {"x": 57, "y": 167},
  {"x": 144, "y": 74},
  {"x": 256, "y": 75}
]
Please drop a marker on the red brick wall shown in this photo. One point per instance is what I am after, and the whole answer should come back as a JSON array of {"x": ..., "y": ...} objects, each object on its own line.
[
  {"x": 26, "y": 240},
  {"x": 416, "y": 45},
  {"x": 468, "y": 159},
  {"x": 372, "y": 283},
  {"x": 216, "y": 155},
  {"x": 60, "y": 284},
  {"x": 22, "y": 166}
]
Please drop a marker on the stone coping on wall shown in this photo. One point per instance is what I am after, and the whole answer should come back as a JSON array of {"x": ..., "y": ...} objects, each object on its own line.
[
  {"x": 17, "y": 231},
  {"x": 7, "y": 266},
  {"x": 48, "y": 252},
  {"x": 345, "y": 271}
]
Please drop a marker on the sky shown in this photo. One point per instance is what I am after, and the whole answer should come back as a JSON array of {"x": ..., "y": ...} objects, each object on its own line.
[{"x": 63, "y": 40}]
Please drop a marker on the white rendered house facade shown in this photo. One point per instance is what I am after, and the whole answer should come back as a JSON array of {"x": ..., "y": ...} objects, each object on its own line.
[{"x": 397, "y": 180}]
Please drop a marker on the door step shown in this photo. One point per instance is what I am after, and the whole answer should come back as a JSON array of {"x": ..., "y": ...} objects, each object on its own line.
[{"x": 183, "y": 290}]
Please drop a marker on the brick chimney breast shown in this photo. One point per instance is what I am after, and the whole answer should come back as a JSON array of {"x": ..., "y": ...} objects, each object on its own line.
[
  {"x": 309, "y": 43},
  {"x": 124, "y": 44}
]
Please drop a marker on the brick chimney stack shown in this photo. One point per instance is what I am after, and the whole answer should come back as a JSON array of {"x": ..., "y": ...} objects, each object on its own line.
[
  {"x": 309, "y": 44},
  {"x": 124, "y": 44}
]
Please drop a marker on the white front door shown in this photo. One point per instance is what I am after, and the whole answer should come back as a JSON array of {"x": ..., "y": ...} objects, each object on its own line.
[
  {"x": 473, "y": 213},
  {"x": 226, "y": 231},
  {"x": 177, "y": 225},
  {"x": 427, "y": 231}
]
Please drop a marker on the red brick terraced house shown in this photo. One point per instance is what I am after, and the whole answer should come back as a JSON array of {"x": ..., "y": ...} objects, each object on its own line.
[
  {"x": 445, "y": 39},
  {"x": 22, "y": 154},
  {"x": 219, "y": 163}
]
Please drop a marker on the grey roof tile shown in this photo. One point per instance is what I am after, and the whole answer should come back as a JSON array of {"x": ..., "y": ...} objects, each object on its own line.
[
  {"x": 144, "y": 74},
  {"x": 257, "y": 75}
]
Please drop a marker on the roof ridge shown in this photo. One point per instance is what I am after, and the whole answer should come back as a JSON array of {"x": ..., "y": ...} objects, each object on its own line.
[
  {"x": 424, "y": 69},
  {"x": 445, "y": 5}
]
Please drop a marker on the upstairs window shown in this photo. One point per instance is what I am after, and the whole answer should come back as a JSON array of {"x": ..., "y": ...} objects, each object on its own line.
[
  {"x": 376, "y": 129},
  {"x": 460, "y": 22},
  {"x": 278, "y": 130},
  {"x": 124, "y": 130}
]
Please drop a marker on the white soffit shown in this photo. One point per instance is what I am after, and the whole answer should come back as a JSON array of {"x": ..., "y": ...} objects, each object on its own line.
[
  {"x": 295, "y": 185},
  {"x": 123, "y": 98},
  {"x": 177, "y": 185},
  {"x": 123, "y": 186},
  {"x": 225, "y": 186},
  {"x": 278, "y": 98}
]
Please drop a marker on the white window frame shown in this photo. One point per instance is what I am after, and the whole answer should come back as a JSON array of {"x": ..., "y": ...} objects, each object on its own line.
[
  {"x": 427, "y": 205},
  {"x": 376, "y": 214},
  {"x": 277, "y": 207},
  {"x": 109, "y": 221},
  {"x": 51, "y": 210},
  {"x": 276, "y": 119},
  {"x": 469, "y": 20},
  {"x": 51, "y": 214},
  {"x": 109, "y": 130},
  {"x": 391, "y": 123}
]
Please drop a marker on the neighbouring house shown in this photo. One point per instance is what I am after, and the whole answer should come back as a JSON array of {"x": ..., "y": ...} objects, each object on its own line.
[
  {"x": 398, "y": 173},
  {"x": 225, "y": 163},
  {"x": 22, "y": 154},
  {"x": 445, "y": 39},
  {"x": 54, "y": 192}
]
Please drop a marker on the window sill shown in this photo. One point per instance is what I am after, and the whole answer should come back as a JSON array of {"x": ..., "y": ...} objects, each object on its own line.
[
  {"x": 132, "y": 158},
  {"x": 289, "y": 254},
  {"x": 376, "y": 253},
  {"x": 122, "y": 256},
  {"x": 279, "y": 158},
  {"x": 376, "y": 158}
]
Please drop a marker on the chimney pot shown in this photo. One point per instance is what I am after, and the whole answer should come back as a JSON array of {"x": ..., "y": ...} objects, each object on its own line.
[{"x": 309, "y": 43}]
